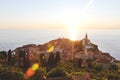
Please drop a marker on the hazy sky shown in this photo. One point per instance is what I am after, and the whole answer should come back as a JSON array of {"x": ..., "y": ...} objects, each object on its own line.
[{"x": 55, "y": 14}]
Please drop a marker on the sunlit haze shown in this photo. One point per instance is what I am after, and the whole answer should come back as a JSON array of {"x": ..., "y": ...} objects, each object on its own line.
[
  {"x": 59, "y": 39},
  {"x": 56, "y": 14}
]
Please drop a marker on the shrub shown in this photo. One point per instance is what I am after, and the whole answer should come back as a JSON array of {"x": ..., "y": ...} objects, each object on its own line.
[
  {"x": 56, "y": 72},
  {"x": 39, "y": 74}
]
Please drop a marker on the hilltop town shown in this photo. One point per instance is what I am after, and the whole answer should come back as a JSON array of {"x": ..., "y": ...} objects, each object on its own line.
[{"x": 69, "y": 50}]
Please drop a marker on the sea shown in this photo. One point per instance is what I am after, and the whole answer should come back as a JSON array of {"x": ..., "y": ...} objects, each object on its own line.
[{"x": 108, "y": 40}]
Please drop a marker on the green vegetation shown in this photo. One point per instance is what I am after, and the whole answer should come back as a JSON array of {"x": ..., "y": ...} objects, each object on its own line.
[
  {"x": 62, "y": 69},
  {"x": 11, "y": 73},
  {"x": 39, "y": 74},
  {"x": 54, "y": 67}
]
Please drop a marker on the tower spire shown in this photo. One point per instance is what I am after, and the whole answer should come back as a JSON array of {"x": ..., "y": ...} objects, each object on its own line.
[{"x": 86, "y": 36}]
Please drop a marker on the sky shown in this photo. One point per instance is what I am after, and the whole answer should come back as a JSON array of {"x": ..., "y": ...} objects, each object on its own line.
[{"x": 59, "y": 14}]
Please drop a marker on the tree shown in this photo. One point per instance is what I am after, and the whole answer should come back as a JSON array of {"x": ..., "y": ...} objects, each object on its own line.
[
  {"x": 98, "y": 67},
  {"x": 23, "y": 63},
  {"x": 4, "y": 53},
  {"x": 57, "y": 58},
  {"x": 113, "y": 67},
  {"x": 79, "y": 63},
  {"x": 42, "y": 60},
  {"x": 89, "y": 62},
  {"x": 9, "y": 57},
  {"x": 51, "y": 59}
]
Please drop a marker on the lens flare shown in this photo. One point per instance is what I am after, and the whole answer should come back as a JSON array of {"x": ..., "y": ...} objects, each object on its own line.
[
  {"x": 35, "y": 67},
  {"x": 50, "y": 48},
  {"x": 88, "y": 5},
  {"x": 31, "y": 71}
]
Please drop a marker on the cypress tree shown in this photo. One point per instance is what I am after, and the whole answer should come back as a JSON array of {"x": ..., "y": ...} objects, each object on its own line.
[
  {"x": 42, "y": 60},
  {"x": 51, "y": 60},
  {"x": 80, "y": 63},
  {"x": 9, "y": 57},
  {"x": 57, "y": 58}
]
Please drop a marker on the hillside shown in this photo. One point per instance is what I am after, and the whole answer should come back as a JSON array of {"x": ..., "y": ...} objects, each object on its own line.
[
  {"x": 59, "y": 59},
  {"x": 69, "y": 50}
]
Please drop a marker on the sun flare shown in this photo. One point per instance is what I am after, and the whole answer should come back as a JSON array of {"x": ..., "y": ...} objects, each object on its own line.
[
  {"x": 76, "y": 19},
  {"x": 73, "y": 35},
  {"x": 73, "y": 30}
]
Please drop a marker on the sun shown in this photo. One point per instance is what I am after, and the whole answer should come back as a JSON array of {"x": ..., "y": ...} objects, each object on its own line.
[{"x": 75, "y": 19}]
